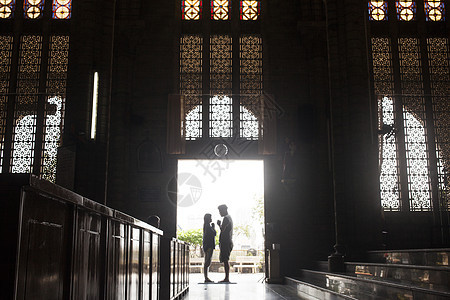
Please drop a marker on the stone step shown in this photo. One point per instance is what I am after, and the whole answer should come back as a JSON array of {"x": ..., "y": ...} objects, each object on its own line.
[
  {"x": 370, "y": 289},
  {"x": 429, "y": 277},
  {"x": 306, "y": 290},
  {"x": 418, "y": 257}
]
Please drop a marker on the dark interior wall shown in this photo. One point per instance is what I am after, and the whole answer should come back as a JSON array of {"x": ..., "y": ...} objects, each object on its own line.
[
  {"x": 298, "y": 211},
  {"x": 355, "y": 145},
  {"x": 91, "y": 37},
  {"x": 144, "y": 63}
]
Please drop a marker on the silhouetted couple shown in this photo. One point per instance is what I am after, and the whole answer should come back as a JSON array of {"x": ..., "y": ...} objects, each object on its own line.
[{"x": 225, "y": 241}]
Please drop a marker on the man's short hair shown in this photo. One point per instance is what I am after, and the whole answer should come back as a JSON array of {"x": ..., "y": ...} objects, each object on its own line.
[{"x": 223, "y": 206}]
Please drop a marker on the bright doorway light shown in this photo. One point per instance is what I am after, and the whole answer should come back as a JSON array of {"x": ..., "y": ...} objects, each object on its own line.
[{"x": 205, "y": 184}]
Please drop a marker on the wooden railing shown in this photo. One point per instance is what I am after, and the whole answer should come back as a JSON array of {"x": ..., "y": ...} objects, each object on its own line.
[
  {"x": 179, "y": 266},
  {"x": 59, "y": 245}
]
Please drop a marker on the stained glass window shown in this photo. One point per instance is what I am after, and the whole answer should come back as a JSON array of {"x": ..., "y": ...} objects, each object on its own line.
[
  {"x": 250, "y": 85},
  {"x": 406, "y": 10},
  {"x": 5, "y": 66},
  {"x": 61, "y": 9},
  {"x": 58, "y": 60},
  {"x": 191, "y": 47},
  {"x": 220, "y": 9},
  {"x": 250, "y": 10},
  {"x": 377, "y": 10},
  {"x": 25, "y": 110},
  {"x": 438, "y": 61},
  {"x": 191, "y": 9},
  {"x": 33, "y": 9},
  {"x": 220, "y": 114},
  {"x": 434, "y": 10},
  {"x": 389, "y": 180},
  {"x": 7, "y": 9}
]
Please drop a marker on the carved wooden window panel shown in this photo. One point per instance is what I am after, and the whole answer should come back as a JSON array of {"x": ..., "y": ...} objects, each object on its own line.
[
  {"x": 438, "y": 61},
  {"x": 220, "y": 74},
  {"x": 6, "y": 43},
  {"x": 191, "y": 64},
  {"x": 221, "y": 115},
  {"x": 58, "y": 60},
  {"x": 250, "y": 85},
  {"x": 414, "y": 123},
  {"x": 383, "y": 74},
  {"x": 25, "y": 110}
]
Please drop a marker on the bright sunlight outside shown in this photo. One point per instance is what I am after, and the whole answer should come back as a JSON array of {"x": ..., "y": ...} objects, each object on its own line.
[{"x": 205, "y": 184}]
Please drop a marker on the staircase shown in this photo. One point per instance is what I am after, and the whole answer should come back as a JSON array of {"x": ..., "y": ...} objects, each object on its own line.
[{"x": 391, "y": 274}]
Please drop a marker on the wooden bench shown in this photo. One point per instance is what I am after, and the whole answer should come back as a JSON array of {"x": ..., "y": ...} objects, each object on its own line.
[
  {"x": 196, "y": 263},
  {"x": 247, "y": 262}
]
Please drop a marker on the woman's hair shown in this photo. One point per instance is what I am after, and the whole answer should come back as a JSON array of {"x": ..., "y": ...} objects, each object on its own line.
[{"x": 207, "y": 217}]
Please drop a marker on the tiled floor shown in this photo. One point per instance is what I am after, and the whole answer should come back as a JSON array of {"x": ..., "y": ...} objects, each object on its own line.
[{"x": 242, "y": 287}]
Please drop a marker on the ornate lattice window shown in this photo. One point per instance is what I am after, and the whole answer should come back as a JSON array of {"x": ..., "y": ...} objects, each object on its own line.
[
  {"x": 378, "y": 10},
  {"x": 250, "y": 10},
  {"x": 414, "y": 124},
  {"x": 191, "y": 47},
  {"x": 33, "y": 9},
  {"x": 406, "y": 10},
  {"x": 389, "y": 173},
  {"x": 7, "y": 9},
  {"x": 220, "y": 116},
  {"x": 220, "y": 9},
  {"x": 250, "y": 85},
  {"x": 417, "y": 160},
  {"x": 62, "y": 9},
  {"x": 214, "y": 105},
  {"x": 434, "y": 10},
  {"x": 191, "y": 9},
  {"x": 5, "y": 66},
  {"x": 438, "y": 61},
  {"x": 58, "y": 60},
  {"x": 25, "y": 110},
  {"x": 220, "y": 74},
  {"x": 383, "y": 72},
  {"x": 383, "y": 75}
]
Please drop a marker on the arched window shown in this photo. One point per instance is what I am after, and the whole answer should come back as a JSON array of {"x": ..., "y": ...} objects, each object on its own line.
[
  {"x": 221, "y": 125},
  {"x": 30, "y": 93},
  {"x": 221, "y": 93}
]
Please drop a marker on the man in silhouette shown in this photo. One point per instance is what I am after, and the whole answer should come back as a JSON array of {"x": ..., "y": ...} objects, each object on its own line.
[
  {"x": 225, "y": 239},
  {"x": 209, "y": 243}
]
